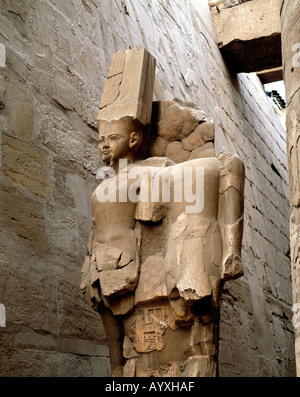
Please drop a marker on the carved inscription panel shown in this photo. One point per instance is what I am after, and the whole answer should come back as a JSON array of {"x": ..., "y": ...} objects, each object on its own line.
[{"x": 150, "y": 326}]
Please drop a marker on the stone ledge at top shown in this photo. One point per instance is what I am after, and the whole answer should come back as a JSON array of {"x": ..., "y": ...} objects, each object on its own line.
[{"x": 249, "y": 35}]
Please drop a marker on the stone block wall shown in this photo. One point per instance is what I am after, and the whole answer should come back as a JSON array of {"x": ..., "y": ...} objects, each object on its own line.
[
  {"x": 49, "y": 157},
  {"x": 57, "y": 56}
]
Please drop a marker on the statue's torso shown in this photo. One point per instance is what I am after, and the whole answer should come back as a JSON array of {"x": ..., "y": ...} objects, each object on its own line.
[{"x": 114, "y": 219}]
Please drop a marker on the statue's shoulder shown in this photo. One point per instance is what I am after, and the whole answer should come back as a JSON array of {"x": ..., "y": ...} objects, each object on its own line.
[
  {"x": 232, "y": 162},
  {"x": 208, "y": 164},
  {"x": 232, "y": 157},
  {"x": 157, "y": 162}
]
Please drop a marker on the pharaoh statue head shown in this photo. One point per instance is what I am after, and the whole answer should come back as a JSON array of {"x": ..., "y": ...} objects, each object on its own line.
[
  {"x": 126, "y": 105},
  {"x": 119, "y": 139}
]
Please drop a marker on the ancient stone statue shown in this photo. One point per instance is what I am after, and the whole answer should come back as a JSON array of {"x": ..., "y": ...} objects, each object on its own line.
[{"x": 167, "y": 228}]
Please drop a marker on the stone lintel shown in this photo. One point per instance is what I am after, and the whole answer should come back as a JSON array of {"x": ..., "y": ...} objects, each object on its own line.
[
  {"x": 270, "y": 75},
  {"x": 249, "y": 35}
]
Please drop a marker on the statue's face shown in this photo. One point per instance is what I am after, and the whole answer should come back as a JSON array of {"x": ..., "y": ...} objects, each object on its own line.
[
  {"x": 116, "y": 140},
  {"x": 113, "y": 146}
]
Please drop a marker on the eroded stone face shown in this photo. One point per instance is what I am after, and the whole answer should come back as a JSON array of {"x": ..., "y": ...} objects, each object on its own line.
[{"x": 163, "y": 242}]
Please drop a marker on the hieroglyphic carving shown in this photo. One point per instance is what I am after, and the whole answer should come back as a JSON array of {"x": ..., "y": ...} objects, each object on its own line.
[{"x": 150, "y": 327}]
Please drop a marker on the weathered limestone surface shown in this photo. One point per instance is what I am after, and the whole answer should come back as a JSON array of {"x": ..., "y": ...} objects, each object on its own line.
[
  {"x": 57, "y": 56},
  {"x": 290, "y": 22}
]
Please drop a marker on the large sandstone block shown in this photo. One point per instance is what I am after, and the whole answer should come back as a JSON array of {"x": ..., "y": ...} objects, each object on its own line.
[
  {"x": 26, "y": 164},
  {"x": 25, "y": 217},
  {"x": 42, "y": 363},
  {"x": 115, "y": 280},
  {"x": 62, "y": 235},
  {"x": 129, "y": 88},
  {"x": 74, "y": 314},
  {"x": 72, "y": 142},
  {"x": 152, "y": 280},
  {"x": 20, "y": 107},
  {"x": 30, "y": 306}
]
